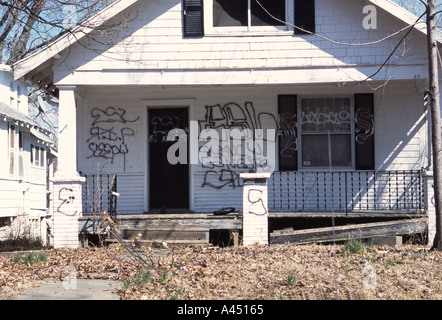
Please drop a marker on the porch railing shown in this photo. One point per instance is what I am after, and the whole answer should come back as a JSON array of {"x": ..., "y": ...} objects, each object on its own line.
[
  {"x": 100, "y": 194},
  {"x": 346, "y": 191}
]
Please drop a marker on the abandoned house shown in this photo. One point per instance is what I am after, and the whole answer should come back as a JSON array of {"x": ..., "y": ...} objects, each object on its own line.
[
  {"x": 24, "y": 151},
  {"x": 337, "y": 106}
]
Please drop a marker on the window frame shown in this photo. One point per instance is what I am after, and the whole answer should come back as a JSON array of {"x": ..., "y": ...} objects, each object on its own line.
[
  {"x": 301, "y": 166},
  {"x": 248, "y": 30},
  {"x": 38, "y": 156},
  {"x": 12, "y": 143},
  {"x": 21, "y": 169}
]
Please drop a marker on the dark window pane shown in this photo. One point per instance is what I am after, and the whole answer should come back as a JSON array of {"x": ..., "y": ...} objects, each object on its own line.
[
  {"x": 20, "y": 140},
  {"x": 305, "y": 16},
  {"x": 315, "y": 150},
  {"x": 275, "y": 8},
  {"x": 322, "y": 115},
  {"x": 230, "y": 13}
]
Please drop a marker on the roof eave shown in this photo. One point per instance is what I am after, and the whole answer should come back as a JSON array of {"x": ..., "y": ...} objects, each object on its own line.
[{"x": 36, "y": 59}]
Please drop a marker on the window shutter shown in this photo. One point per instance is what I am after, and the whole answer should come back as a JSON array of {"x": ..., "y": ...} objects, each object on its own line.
[
  {"x": 364, "y": 131},
  {"x": 287, "y": 133},
  {"x": 305, "y": 16},
  {"x": 193, "y": 18}
]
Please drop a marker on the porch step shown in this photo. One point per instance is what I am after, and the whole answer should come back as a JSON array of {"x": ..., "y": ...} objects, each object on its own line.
[
  {"x": 165, "y": 234},
  {"x": 164, "y": 242}
]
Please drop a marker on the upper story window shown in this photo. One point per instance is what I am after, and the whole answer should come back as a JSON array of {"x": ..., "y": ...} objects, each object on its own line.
[
  {"x": 249, "y": 13},
  {"x": 205, "y": 17}
]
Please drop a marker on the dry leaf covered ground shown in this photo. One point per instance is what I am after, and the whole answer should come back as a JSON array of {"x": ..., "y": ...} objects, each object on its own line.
[{"x": 264, "y": 273}]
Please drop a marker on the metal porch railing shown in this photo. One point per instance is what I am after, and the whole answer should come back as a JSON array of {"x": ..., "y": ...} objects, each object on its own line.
[
  {"x": 100, "y": 194},
  {"x": 346, "y": 191}
]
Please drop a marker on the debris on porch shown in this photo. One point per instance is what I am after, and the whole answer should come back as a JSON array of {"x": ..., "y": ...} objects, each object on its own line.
[{"x": 347, "y": 232}]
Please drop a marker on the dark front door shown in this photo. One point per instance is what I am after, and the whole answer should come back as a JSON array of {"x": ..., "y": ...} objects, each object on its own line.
[{"x": 169, "y": 184}]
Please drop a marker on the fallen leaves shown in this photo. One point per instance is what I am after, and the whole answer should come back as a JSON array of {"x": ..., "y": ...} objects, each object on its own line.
[{"x": 265, "y": 273}]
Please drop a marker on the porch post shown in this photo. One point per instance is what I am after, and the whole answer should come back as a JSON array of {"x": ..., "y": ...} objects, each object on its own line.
[
  {"x": 255, "y": 208},
  {"x": 67, "y": 183},
  {"x": 428, "y": 185}
]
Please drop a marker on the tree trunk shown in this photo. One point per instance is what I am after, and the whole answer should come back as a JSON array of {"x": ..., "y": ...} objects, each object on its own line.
[
  {"x": 20, "y": 49},
  {"x": 435, "y": 117}
]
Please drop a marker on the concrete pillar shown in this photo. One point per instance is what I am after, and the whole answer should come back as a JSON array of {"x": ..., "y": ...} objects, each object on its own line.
[
  {"x": 67, "y": 208},
  {"x": 67, "y": 183},
  {"x": 255, "y": 208},
  {"x": 428, "y": 182},
  {"x": 67, "y": 133}
]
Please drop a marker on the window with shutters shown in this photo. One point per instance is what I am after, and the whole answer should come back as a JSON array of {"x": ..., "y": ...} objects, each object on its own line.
[
  {"x": 324, "y": 132},
  {"x": 246, "y": 15},
  {"x": 207, "y": 17}
]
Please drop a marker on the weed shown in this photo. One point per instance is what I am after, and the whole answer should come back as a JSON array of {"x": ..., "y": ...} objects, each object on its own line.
[
  {"x": 126, "y": 285},
  {"x": 291, "y": 279},
  {"x": 29, "y": 259},
  {"x": 178, "y": 293},
  {"x": 389, "y": 262},
  {"x": 164, "y": 275},
  {"x": 355, "y": 246},
  {"x": 143, "y": 278}
]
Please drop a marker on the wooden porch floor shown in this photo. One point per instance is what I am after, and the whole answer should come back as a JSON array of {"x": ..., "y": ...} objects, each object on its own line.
[{"x": 198, "y": 228}]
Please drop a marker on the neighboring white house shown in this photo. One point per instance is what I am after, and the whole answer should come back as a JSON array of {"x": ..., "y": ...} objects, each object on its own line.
[
  {"x": 351, "y": 132},
  {"x": 23, "y": 163}
]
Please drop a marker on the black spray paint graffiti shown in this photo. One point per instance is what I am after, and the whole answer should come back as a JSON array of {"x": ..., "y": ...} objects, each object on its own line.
[
  {"x": 65, "y": 195},
  {"x": 232, "y": 116},
  {"x": 110, "y": 115},
  {"x": 257, "y": 206},
  {"x": 161, "y": 126},
  {"x": 106, "y": 142}
]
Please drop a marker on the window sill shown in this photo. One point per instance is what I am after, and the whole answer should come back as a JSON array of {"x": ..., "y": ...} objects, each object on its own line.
[
  {"x": 326, "y": 169},
  {"x": 249, "y": 33}
]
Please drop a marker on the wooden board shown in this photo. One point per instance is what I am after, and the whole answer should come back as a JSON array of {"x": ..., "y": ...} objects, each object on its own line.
[
  {"x": 357, "y": 231},
  {"x": 91, "y": 225}
]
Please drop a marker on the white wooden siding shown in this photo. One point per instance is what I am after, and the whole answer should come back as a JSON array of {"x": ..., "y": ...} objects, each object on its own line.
[
  {"x": 21, "y": 194},
  {"x": 400, "y": 134},
  {"x": 154, "y": 41}
]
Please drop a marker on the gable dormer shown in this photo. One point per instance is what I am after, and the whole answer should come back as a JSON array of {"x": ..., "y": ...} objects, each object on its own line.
[{"x": 225, "y": 16}]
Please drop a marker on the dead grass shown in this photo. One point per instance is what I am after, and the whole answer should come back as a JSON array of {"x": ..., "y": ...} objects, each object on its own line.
[{"x": 310, "y": 272}]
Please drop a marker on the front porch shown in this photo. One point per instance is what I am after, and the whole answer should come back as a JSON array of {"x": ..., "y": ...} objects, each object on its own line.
[{"x": 367, "y": 203}]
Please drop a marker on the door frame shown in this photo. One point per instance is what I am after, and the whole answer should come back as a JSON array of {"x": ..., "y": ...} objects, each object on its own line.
[{"x": 168, "y": 104}]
